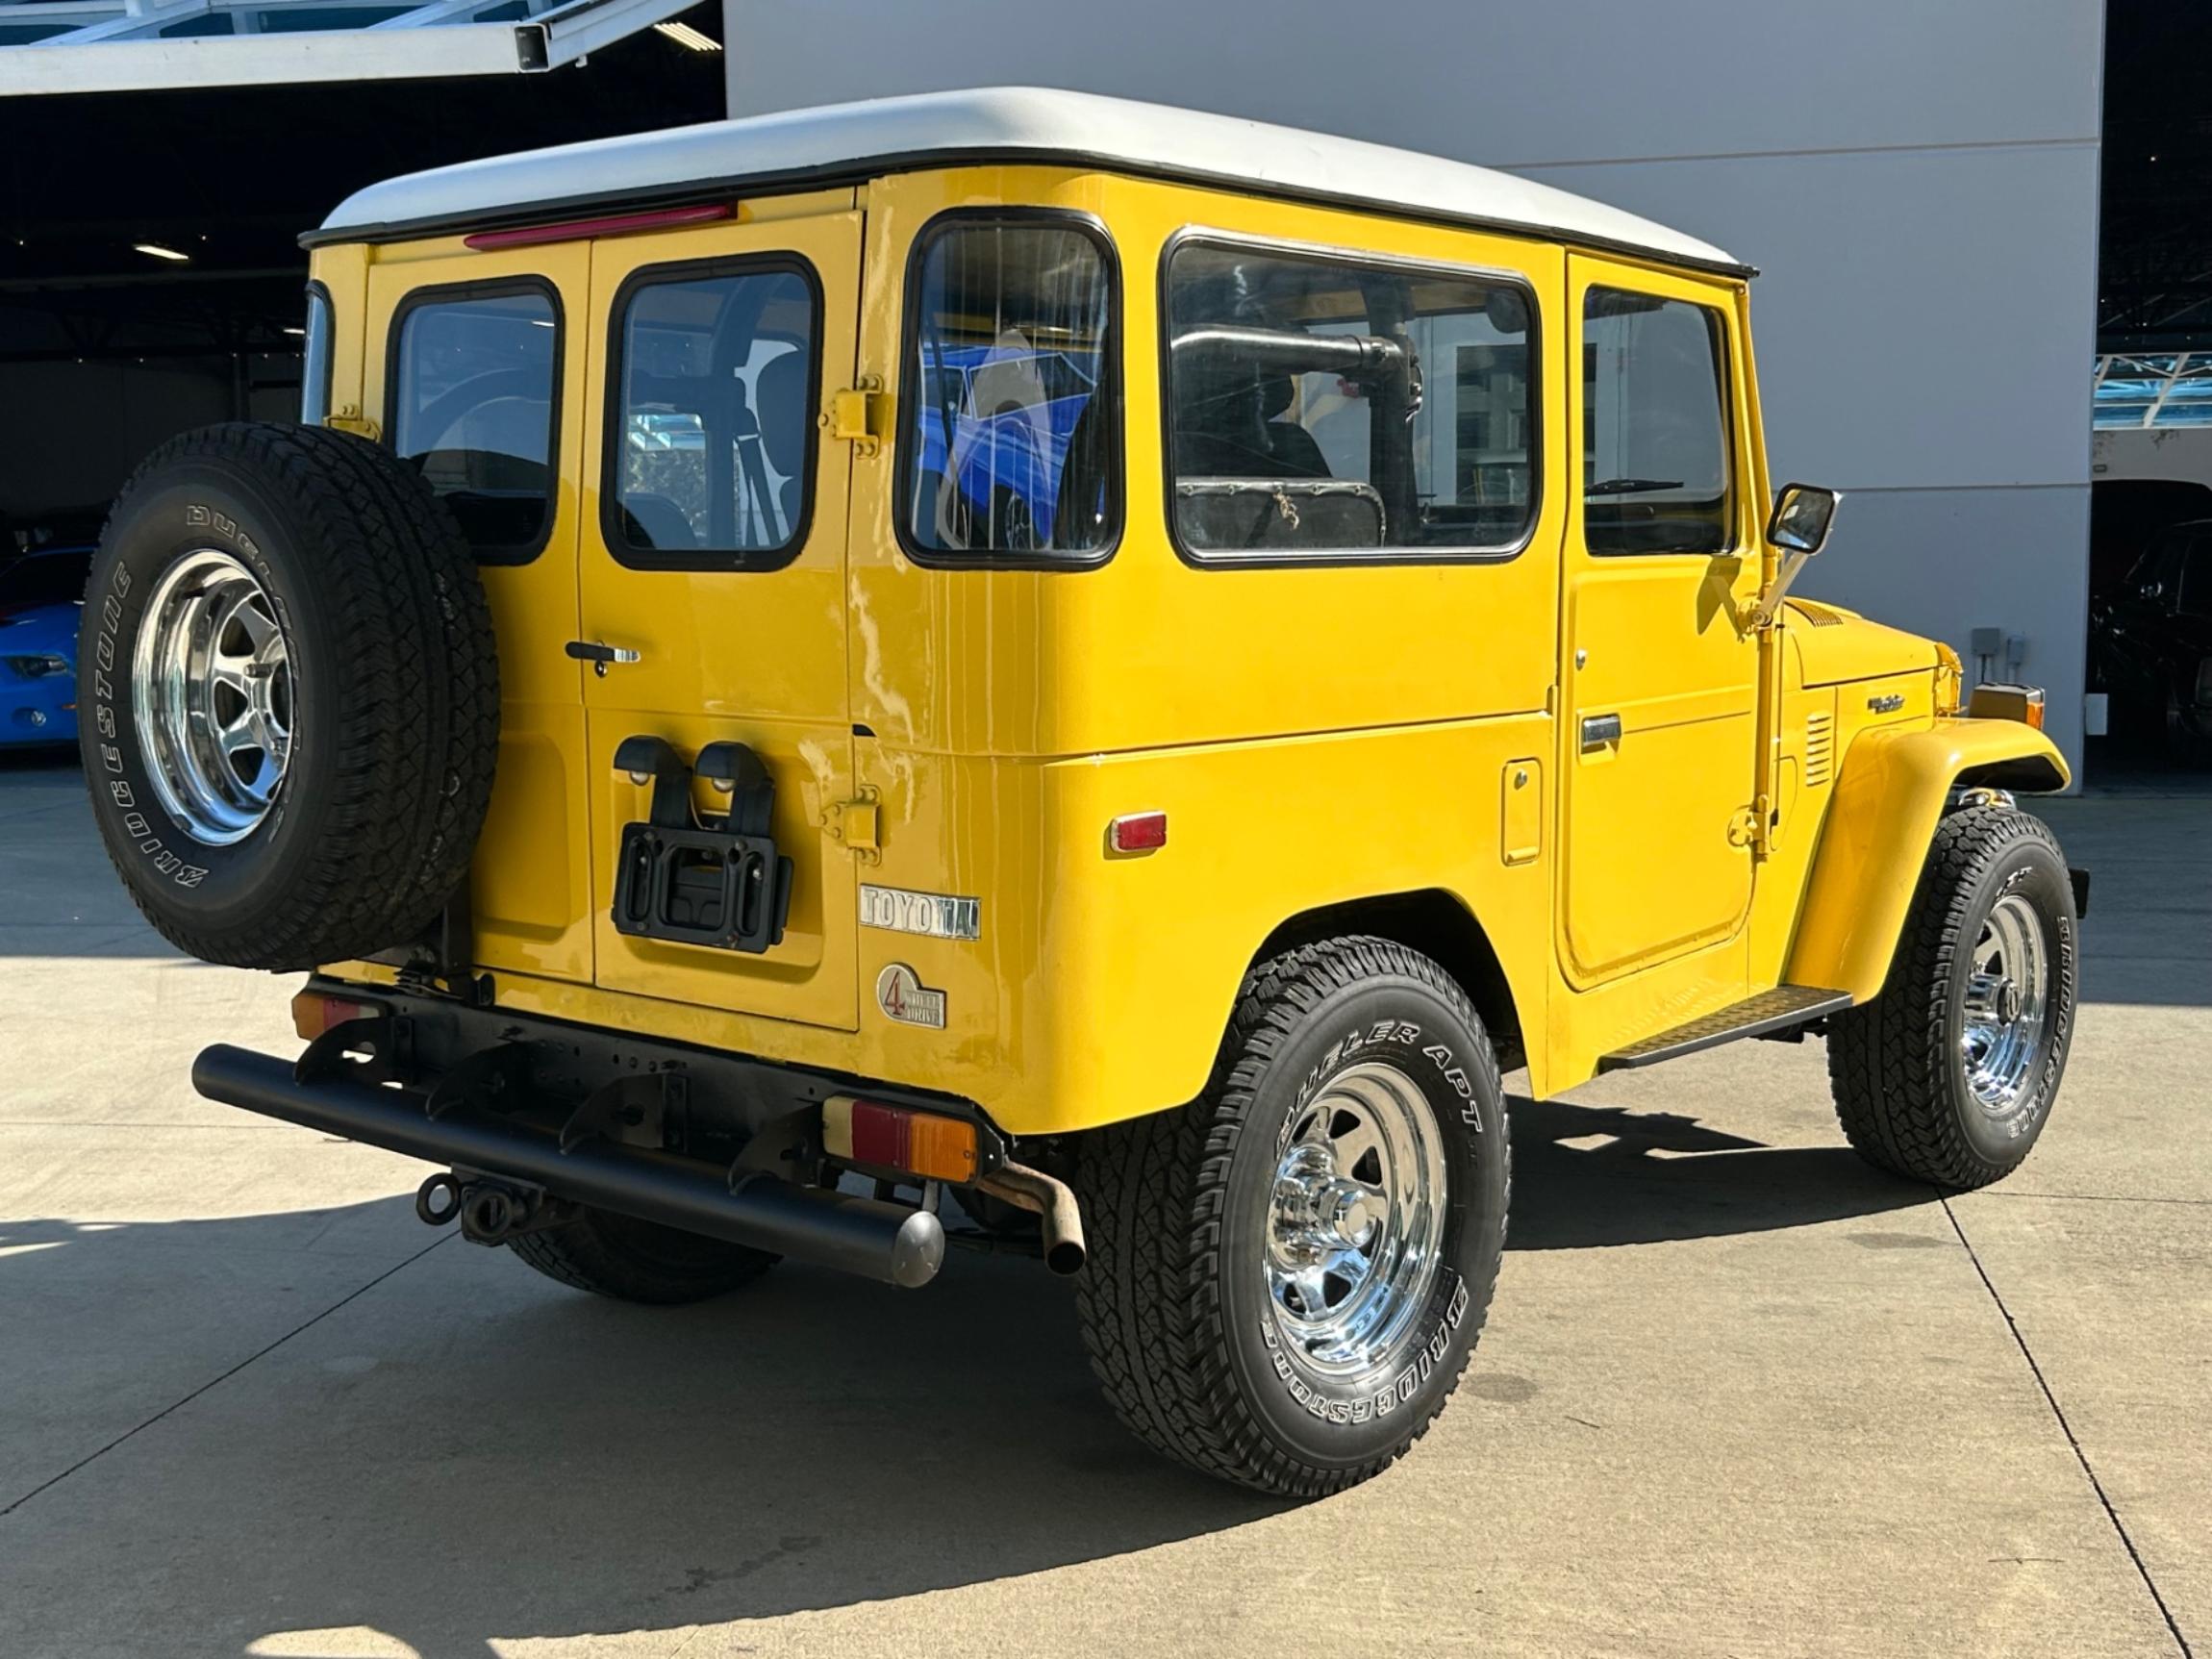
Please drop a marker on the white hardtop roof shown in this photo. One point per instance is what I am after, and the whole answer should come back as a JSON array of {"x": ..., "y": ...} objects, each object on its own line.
[{"x": 850, "y": 141}]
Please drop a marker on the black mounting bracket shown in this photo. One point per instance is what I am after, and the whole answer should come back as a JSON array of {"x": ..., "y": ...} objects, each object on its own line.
[{"x": 716, "y": 881}]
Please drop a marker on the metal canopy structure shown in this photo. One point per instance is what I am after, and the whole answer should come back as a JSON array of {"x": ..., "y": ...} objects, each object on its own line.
[{"x": 58, "y": 47}]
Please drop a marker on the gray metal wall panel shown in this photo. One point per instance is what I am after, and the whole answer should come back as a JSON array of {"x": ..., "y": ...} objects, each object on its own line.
[{"x": 1918, "y": 181}]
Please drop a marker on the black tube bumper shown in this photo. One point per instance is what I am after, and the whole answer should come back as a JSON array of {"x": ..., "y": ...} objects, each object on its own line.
[{"x": 865, "y": 1235}]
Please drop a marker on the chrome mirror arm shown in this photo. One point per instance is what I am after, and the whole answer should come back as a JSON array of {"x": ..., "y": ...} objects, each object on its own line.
[{"x": 1769, "y": 605}]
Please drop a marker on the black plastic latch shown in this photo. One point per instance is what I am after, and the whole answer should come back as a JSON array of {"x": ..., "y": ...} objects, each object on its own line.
[{"x": 716, "y": 881}]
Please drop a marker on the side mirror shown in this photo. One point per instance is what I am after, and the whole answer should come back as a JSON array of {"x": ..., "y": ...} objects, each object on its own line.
[{"x": 1803, "y": 515}]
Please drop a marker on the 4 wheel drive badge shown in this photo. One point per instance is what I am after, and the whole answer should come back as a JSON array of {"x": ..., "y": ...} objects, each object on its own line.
[
  {"x": 1887, "y": 704},
  {"x": 900, "y": 994}
]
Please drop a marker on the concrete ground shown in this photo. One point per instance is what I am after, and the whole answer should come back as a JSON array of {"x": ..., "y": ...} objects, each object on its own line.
[{"x": 1738, "y": 1395}]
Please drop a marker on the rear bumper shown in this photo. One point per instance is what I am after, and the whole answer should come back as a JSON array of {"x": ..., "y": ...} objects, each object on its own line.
[{"x": 708, "y": 1144}]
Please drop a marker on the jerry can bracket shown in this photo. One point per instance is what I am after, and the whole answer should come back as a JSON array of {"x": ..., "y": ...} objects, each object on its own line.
[{"x": 715, "y": 879}]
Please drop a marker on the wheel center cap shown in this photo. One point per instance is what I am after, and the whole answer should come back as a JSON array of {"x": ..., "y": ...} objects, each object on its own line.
[
  {"x": 1316, "y": 1208},
  {"x": 2006, "y": 1000}
]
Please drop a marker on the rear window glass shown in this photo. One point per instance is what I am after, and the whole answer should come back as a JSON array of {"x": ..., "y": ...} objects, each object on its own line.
[
  {"x": 1654, "y": 426},
  {"x": 1010, "y": 400},
  {"x": 1322, "y": 405},
  {"x": 715, "y": 427},
  {"x": 472, "y": 408}
]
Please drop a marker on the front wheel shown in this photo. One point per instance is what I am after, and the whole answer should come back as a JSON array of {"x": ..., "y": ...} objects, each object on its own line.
[
  {"x": 1949, "y": 1075},
  {"x": 1287, "y": 1277}
]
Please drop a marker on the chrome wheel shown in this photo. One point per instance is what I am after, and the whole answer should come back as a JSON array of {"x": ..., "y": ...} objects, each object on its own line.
[
  {"x": 1356, "y": 1223},
  {"x": 2007, "y": 1006},
  {"x": 211, "y": 695}
]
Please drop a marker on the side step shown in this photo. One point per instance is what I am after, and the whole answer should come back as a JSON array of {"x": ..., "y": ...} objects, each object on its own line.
[{"x": 1760, "y": 1015}]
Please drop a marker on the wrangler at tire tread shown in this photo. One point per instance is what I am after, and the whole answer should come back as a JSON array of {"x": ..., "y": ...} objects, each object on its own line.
[{"x": 1153, "y": 1191}]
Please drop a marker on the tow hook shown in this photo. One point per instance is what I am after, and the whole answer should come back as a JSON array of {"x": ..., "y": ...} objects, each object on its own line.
[{"x": 491, "y": 1212}]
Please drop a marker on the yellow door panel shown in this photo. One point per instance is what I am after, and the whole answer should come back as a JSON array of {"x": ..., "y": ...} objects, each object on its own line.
[
  {"x": 713, "y": 568},
  {"x": 1659, "y": 670},
  {"x": 530, "y": 886}
]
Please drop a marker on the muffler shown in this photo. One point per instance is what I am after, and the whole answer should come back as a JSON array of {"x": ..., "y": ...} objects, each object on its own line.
[{"x": 888, "y": 1243}]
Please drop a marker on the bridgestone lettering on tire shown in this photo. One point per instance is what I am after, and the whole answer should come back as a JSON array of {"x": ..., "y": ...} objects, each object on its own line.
[
  {"x": 392, "y": 703},
  {"x": 1902, "y": 1067},
  {"x": 1214, "y": 1345}
]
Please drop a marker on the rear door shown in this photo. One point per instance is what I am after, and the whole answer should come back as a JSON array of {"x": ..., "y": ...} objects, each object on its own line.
[
  {"x": 475, "y": 375},
  {"x": 714, "y": 553}
]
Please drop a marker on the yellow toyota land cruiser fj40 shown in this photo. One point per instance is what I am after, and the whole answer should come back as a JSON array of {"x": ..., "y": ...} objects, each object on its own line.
[{"x": 1084, "y": 668}]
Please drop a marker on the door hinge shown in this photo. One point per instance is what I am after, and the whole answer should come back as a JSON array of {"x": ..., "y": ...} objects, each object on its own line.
[
  {"x": 861, "y": 415},
  {"x": 854, "y": 824},
  {"x": 349, "y": 419},
  {"x": 1743, "y": 825}
]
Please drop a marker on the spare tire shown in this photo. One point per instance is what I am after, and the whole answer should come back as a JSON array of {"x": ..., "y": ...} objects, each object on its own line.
[{"x": 291, "y": 695}]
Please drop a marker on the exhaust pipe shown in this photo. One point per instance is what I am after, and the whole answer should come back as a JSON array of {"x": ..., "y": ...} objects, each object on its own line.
[
  {"x": 888, "y": 1243},
  {"x": 1053, "y": 1201}
]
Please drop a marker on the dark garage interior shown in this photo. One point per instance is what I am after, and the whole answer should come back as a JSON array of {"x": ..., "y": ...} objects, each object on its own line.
[
  {"x": 150, "y": 276},
  {"x": 2150, "y": 586}
]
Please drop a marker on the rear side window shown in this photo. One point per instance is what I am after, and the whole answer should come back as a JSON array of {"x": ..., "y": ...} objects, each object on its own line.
[
  {"x": 472, "y": 406},
  {"x": 1011, "y": 394},
  {"x": 1326, "y": 407},
  {"x": 1654, "y": 426},
  {"x": 712, "y": 447}
]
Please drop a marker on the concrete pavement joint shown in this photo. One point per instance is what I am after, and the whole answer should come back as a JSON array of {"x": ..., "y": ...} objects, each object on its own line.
[
  {"x": 2058, "y": 1412},
  {"x": 216, "y": 1381}
]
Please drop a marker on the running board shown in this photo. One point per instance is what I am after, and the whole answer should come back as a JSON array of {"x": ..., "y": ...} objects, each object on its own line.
[{"x": 1761, "y": 1015}]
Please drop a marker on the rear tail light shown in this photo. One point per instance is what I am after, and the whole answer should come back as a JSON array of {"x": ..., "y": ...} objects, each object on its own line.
[
  {"x": 926, "y": 1144},
  {"x": 314, "y": 1011}
]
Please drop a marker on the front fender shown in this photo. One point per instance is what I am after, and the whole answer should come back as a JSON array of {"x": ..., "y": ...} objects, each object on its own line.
[{"x": 1888, "y": 800}]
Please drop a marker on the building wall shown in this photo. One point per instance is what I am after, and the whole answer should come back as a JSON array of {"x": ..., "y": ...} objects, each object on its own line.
[{"x": 1917, "y": 181}]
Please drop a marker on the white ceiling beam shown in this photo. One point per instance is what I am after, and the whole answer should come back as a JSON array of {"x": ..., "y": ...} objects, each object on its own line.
[{"x": 269, "y": 60}]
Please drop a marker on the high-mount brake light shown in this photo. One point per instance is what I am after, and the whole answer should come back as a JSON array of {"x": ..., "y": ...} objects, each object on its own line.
[
  {"x": 926, "y": 1144},
  {"x": 613, "y": 225}
]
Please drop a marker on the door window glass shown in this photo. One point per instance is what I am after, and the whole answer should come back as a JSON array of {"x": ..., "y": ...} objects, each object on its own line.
[
  {"x": 716, "y": 432},
  {"x": 472, "y": 408},
  {"x": 1654, "y": 426},
  {"x": 1009, "y": 451},
  {"x": 1328, "y": 406}
]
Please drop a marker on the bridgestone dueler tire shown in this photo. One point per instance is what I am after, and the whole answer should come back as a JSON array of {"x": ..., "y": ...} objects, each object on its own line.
[
  {"x": 1173, "y": 1298},
  {"x": 395, "y": 695},
  {"x": 1894, "y": 1064},
  {"x": 635, "y": 1261}
]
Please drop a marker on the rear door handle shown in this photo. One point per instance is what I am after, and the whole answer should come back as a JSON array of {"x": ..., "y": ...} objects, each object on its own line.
[
  {"x": 598, "y": 653},
  {"x": 1599, "y": 730}
]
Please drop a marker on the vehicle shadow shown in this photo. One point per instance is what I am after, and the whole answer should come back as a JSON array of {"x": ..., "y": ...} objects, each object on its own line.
[
  {"x": 1587, "y": 1177},
  {"x": 466, "y": 1454}
]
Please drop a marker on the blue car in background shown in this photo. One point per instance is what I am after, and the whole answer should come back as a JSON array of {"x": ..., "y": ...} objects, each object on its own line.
[
  {"x": 998, "y": 422},
  {"x": 41, "y": 601}
]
